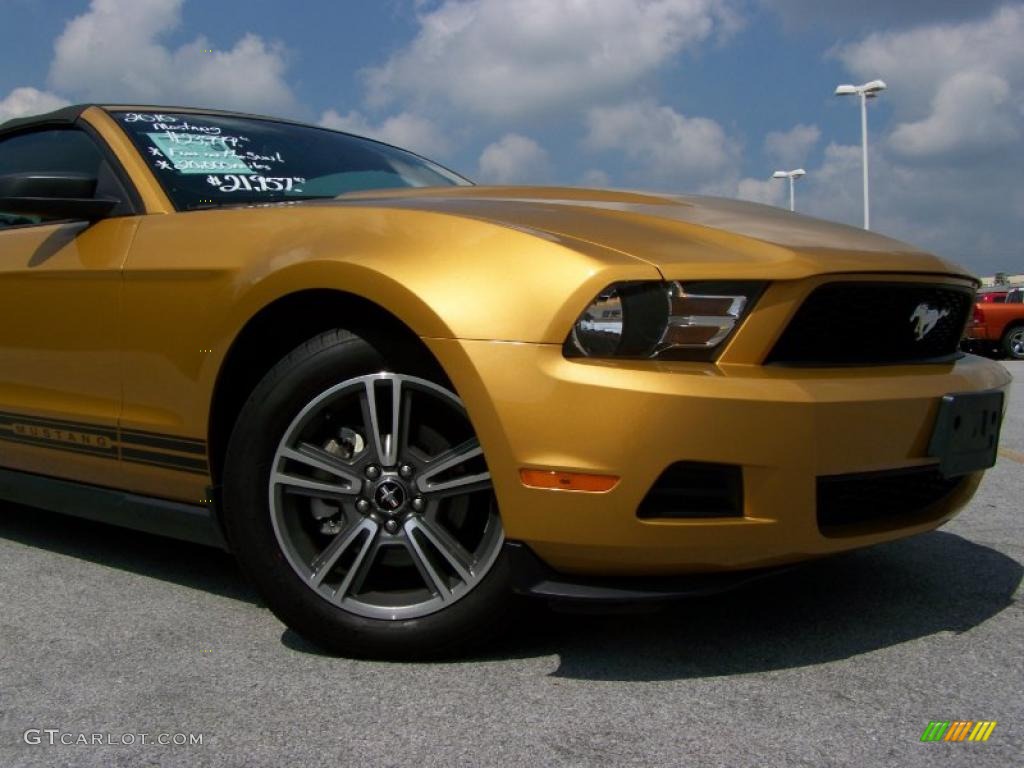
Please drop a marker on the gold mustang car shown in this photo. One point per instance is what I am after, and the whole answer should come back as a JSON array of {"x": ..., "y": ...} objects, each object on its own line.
[{"x": 401, "y": 399}]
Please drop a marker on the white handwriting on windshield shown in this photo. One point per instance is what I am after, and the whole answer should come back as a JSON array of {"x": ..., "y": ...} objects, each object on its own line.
[
  {"x": 170, "y": 123},
  {"x": 238, "y": 183},
  {"x": 206, "y": 141}
]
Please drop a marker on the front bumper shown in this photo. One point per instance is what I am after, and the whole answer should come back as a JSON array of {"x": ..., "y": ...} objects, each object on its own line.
[
  {"x": 784, "y": 426},
  {"x": 531, "y": 577}
]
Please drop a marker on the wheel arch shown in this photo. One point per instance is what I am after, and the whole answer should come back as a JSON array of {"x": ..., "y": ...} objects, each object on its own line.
[{"x": 283, "y": 324}]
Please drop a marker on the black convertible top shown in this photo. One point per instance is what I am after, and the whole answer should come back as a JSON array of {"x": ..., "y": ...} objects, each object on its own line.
[
  {"x": 62, "y": 116},
  {"x": 70, "y": 114}
]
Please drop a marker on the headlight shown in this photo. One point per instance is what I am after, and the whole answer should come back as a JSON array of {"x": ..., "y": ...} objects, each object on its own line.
[{"x": 667, "y": 321}]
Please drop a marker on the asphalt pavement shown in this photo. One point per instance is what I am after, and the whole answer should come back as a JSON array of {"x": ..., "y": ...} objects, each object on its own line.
[{"x": 113, "y": 635}]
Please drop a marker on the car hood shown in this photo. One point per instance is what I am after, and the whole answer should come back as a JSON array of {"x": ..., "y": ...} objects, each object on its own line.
[{"x": 680, "y": 235}]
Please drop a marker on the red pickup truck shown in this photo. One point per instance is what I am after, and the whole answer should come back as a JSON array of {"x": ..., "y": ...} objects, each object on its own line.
[{"x": 998, "y": 326}]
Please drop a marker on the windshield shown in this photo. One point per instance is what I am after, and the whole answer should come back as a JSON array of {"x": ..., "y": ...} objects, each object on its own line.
[{"x": 210, "y": 160}]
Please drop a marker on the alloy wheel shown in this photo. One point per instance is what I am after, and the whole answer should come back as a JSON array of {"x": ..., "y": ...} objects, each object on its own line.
[{"x": 381, "y": 500}]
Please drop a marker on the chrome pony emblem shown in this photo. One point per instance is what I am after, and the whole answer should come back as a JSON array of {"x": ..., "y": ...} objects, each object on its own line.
[
  {"x": 925, "y": 318},
  {"x": 389, "y": 496}
]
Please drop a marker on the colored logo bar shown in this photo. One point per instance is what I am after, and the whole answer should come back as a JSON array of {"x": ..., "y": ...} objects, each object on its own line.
[{"x": 958, "y": 730}]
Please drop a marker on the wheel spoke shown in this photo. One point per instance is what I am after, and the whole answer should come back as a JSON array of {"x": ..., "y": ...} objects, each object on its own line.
[
  {"x": 460, "y": 486},
  {"x": 325, "y": 561},
  {"x": 403, "y": 423},
  {"x": 360, "y": 566},
  {"x": 303, "y": 486},
  {"x": 434, "y": 580},
  {"x": 386, "y": 444},
  {"x": 317, "y": 458},
  {"x": 450, "y": 549},
  {"x": 448, "y": 460},
  {"x": 398, "y": 419}
]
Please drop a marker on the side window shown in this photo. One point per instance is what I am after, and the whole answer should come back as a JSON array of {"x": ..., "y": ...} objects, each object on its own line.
[
  {"x": 67, "y": 150},
  {"x": 1015, "y": 297}
]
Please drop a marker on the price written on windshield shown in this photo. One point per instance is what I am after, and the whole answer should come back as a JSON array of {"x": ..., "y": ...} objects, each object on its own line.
[{"x": 245, "y": 183}]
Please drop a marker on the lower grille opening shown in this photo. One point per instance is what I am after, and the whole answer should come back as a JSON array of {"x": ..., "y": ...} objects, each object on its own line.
[
  {"x": 880, "y": 500},
  {"x": 691, "y": 489}
]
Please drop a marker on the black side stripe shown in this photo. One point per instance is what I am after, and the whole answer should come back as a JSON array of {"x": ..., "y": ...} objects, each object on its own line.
[
  {"x": 131, "y": 445},
  {"x": 153, "y": 440},
  {"x": 164, "y": 460}
]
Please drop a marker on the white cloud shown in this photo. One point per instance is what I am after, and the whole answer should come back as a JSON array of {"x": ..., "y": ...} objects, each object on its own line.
[
  {"x": 947, "y": 174},
  {"x": 767, "y": 191},
  {"x": 112, "y": 52},
  {"x": 513, "y": 159},
  {"x": 663, "y": 145},
  {"x": 834, "y": 187},
  {"x": 940, "y": 207},
  {"x": 799, "y": 15},
  {"x": 28, "y": 101},
  {"x": 502, "y": 58},
  {"x": 790, "y": 148},
  {"x": 917, "y": 64},
  {"x": 250, "y": 75},
  {"x": 972, "y": 112},
  {"x": 596, "y": 178},
  {"x": 405, "y": 130}
]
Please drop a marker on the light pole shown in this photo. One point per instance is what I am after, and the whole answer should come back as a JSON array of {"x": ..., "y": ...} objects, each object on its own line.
[
  {"x": 792, "y": 176},
  {"x": 866, "y": 91}
]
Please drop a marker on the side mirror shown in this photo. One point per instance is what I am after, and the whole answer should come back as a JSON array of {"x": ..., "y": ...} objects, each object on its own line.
[{"x": 53, "y": 196}]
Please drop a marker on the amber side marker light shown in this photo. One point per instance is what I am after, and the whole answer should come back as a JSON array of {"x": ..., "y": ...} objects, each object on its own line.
[{"x": 567, "y": 481}]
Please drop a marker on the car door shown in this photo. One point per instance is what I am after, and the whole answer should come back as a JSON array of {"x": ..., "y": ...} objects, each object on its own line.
[{"x": 60, "y": 389}]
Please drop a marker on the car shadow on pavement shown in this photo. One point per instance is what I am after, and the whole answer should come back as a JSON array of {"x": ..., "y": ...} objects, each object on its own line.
[
  {"x": 824, "y": 611},
  {"x": 176, "y": 562}
]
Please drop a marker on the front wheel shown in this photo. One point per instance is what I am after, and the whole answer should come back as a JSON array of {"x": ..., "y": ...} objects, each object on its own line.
[
  {"x": 357, "y": 499},
  {"x": 1013, "y": 343}
]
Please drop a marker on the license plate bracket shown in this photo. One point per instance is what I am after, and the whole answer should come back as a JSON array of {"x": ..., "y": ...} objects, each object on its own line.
[{"x": 966, "y": 434}]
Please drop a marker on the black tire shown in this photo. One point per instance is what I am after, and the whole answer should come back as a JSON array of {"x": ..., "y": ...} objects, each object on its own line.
[
  {"x": 250, "y": 507},
  {"x": 1012, "y": 343}
]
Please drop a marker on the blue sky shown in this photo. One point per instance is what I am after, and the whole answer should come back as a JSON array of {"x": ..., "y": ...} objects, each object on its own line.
[{"x": 704, "y": 96}]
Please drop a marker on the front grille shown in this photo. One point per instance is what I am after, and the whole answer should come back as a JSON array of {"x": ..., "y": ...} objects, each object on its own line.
[
  {"x": 870, "y": 323},
  {"x": 689, "y": 489},
  {"x": 887, "y": 499}
]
